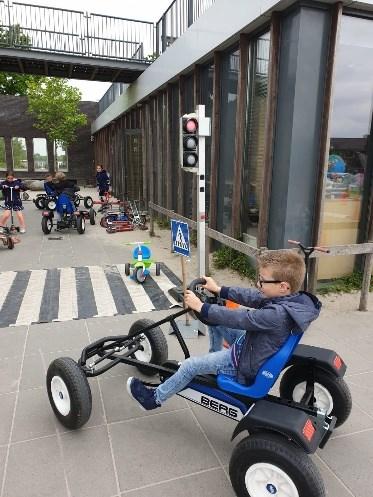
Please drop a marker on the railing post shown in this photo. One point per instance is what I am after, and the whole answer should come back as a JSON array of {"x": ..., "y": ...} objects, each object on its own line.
[
  {"x": 367, "y": 275},
  {"x": 190, "y": 12},
  {"x": 87, "y": 48},
  {"x": 163, "y": 35},
  {"x": 151, "y": 215},
  {"x": 10, "y": 30},
  {"x": 157, "y": 39}
]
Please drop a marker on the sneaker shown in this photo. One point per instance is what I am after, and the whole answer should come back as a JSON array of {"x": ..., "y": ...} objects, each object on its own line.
[
  {"x": 22, "y": 230},
  {"x": 143, "y": 395}
]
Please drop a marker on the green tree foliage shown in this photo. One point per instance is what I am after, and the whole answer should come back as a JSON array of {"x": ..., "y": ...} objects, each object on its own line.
[
  {"x": 13, "y": 83},
  {"x": 19, "y": 153},
  {"x": 55, "y": 107},
  {"x": 2, "y": 153}
]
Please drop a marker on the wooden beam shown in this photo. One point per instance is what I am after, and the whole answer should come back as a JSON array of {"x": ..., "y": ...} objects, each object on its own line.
[
  {"x": 240, "y": 137},
  {"x": 270, "y": 123},
  {"x": 168, "y": 160},
  {"x": 215, "y": 139}
]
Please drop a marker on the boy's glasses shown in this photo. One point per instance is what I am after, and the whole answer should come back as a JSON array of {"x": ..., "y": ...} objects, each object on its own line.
[{"x": 261, "y": 282}]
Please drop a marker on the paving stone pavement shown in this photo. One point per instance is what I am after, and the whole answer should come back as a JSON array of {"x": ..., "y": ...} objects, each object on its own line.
[{"x": 123, "y": 451}]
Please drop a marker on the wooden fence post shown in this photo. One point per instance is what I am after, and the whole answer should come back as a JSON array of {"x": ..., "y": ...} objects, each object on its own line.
[{"x": 367, "y": 275}]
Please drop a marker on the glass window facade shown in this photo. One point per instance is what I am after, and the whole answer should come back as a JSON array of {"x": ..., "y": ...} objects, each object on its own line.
[
  {"x": 229, "y": 82},
  {"x": 19, "y": 152},
  {"x": 206, "y": 97},
  {"x": 254, "y": 147},
  {"x": 60, "y": 158},
  {"x": 2, "y": 154},
  {"x": 40, "y": 154},
  {"x": 349, "y": 170}
]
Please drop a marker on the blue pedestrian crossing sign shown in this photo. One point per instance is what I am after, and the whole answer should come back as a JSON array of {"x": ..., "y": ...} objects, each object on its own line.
[{"x": 180, "y": 238}]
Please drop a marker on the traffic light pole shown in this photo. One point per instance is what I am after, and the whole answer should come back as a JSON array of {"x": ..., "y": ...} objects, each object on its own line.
[{"x": 204, "y": 130}]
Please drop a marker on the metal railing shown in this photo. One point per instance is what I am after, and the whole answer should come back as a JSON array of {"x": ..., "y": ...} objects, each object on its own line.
[
  {"x": 56, "y": 30},
  {"x": 111, "y": 94},
  {"x": 176, "y": 20}
]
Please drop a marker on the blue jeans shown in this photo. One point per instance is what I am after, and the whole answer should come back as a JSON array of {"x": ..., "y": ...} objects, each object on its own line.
[
  {"x": 218, "y": 362},
  {"x": 219, "y": 333}
]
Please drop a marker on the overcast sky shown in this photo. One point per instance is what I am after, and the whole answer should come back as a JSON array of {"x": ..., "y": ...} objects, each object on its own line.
[{"x": 144, "y": 10}]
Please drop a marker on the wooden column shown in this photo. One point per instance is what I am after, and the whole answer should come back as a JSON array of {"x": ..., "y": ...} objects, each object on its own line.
[
  {"x": 215, "y": 138},
  {"x": 240, "y": 136},
  {"x": 168, "y": 160},
  {"x": 274, "y": 52},
  {"x": 180, "y": 196}
]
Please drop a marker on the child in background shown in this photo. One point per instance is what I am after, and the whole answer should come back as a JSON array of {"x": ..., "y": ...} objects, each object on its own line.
[
  {"x": 12, "y": 188},
  {"x": 103, "y": 182}
]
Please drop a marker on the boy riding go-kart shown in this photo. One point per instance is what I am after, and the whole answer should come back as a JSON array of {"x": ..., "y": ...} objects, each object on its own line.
[{"x": 235, "y": 383}]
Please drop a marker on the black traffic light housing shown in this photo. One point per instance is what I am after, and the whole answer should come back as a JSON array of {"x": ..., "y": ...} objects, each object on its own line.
[{"x": 189, "y": 141}]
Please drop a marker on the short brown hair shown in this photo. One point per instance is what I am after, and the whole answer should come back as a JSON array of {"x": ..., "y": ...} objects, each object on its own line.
[
  {"x": 59, "y": 176},
  {"x": 286, "y": 265}
]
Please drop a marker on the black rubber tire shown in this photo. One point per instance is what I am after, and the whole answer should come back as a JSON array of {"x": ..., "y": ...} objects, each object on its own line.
[
  {"x": 88, "y": 202},
  {"x": 92, "y": 216},
  {"x": 46, "y": 225},
  {"x": 40, "y": 203},
  {"x": 76, "y": 201},
  {"x": 276, "y": 450},
  {"x": 10, "y": 243},
  {"x": 78, "y": 388},
  {"x": 138, "y": 274},
  {"x": 157, "y": 341},
  {"x": 157, "y": 268},
  {"x": 80, "y": 224},
  {"x": 127, "y": 268},
  {"x": 337, "y": 388}
]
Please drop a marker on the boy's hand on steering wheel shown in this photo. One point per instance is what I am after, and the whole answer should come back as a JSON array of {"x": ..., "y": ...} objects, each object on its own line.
[
  {"x": 192, "y": 301},
  {"x": 211, "y": 285}
]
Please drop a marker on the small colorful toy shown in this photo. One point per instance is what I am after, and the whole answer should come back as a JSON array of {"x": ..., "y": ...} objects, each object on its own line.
[{"x": 141, "y": 262}]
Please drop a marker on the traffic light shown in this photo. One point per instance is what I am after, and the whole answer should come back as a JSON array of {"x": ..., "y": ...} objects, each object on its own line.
[{"x": 189, "y": 141}]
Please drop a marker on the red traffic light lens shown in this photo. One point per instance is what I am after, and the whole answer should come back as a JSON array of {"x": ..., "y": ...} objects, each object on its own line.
[{"x": 191, "y": 125}]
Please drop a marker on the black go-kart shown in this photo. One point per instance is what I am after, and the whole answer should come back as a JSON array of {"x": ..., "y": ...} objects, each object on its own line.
[
  {"x": 43, "y": 199},
  {"x": 75, "y": 220},
  {"x": 282, "y": 430}
]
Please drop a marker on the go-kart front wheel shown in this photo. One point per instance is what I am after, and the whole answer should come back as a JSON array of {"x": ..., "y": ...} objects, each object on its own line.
[
  {"x": 88, "y": 202},
  {"x": 331, "y": 394},
  {"x": 154, "y": 348},
  {"x": 69, "y": 392},
  {"x": 92, "y": 216},
  {"x": 40, "y": 203},
  {"x": 46, "y": 224},
  {"x": 269, "y": 464}
]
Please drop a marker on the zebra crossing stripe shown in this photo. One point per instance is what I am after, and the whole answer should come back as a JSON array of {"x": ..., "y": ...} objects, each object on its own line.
[
  {"x": 6, "y": 281},
  {"x": 13, "y": 300},
  {"x": 49, "y": 301},
  {"x": 138, "y": 295},
  {"x": 30, "y": 307},
  {"x": 165, "y": 284},
  {"x": 67, "y": 302},
  {"x": 159, "y": 299},
  {"x": 104, "y": 300},
  {"x": 87, "y": 307},
  {"x": 121, "y": 296}
]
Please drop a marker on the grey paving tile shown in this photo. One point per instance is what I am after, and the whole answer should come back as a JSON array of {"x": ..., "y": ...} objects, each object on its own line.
[
  {"x": 357, "y": 421},
  {"x": 350, "y": 458},
  {"x": 212, "y": 483},
  {"x": 49, "y": 337},
  {"x": 33, "y": 374},
  {"x": 6, "y": 416},
  {"x": 361, "y": 390},
  {"x": 9, "y": 374},
  {"x": 12, "y": 341},
  {"x": 119, "y": 406},
  {"x": 333, "y": 486},
  {"x": 35, "y": 469},
  {"x": 88, "y": 462},
  {"x": 3, "y": 451},
  {"x": 185, "y": 452},
  {"x": 218, "y": 430},
  {"x": 34, "y": 417}
]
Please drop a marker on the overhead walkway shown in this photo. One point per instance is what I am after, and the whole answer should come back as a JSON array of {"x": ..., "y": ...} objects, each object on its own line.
[{"x": 57, "y": 42}]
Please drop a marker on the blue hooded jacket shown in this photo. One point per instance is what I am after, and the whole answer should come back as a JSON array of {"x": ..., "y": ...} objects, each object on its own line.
[{"x": 267, "y": 327}]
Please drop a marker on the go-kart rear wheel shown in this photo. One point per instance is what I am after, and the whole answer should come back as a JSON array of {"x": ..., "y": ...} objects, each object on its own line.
[
  {"x": 46, "y": 225},
  {"x": 80, "y": 224},
  {"x": 269, "y": 464},
  {"x": 10, "y": 243},
  {"x": 92, "y": 216},
  {"x": 154, "y": 348},
  {"x": 88, "y": 202},
  {"x": 69, "y": 392},
  {"x": 157, "y": 268},
  {"x": 139, "y": 274},
  {"x": 332, "y": 394},
  {"x": 40, "y": 203}
]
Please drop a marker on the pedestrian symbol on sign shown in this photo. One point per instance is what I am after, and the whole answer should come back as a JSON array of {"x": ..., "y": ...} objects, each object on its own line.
[{"x": 180, "y": 237}]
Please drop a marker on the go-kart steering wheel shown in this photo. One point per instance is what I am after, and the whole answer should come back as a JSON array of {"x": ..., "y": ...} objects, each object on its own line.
[{"x": 205, "y": 296}]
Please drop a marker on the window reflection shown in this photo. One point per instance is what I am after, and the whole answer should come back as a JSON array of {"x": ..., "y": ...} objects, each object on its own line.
[
  {"x": 60, "y": 157},
  {"x": 349, "y": 131},
  {"x": 2, "y": 154},
  {"x": 40, "y": 154},
  {"x": 19, "y": 152}
]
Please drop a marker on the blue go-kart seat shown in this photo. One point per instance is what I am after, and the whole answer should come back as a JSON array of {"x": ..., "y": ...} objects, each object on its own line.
[
  {"x": 267, "y": 374},
  {"x": 64, "y": 204},
  {"x": 145, "y": 251}
]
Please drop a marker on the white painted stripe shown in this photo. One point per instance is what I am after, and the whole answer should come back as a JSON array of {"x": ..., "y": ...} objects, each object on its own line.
[
  {"x": 138, "y": 295},
  {"x": 104, "y": 300},
  {"x": 30, "y": 308},
  {"x": 67, "y": 304},
  {"x": 165, "y": 284},
  {"x": 6, "y": 281}
]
